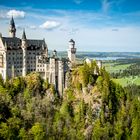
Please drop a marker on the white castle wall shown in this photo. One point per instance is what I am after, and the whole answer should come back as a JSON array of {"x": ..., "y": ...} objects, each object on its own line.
[{"x": 60, "y": 77}]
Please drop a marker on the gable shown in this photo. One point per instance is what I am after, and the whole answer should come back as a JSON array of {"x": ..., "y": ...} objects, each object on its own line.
[{"x": 2, "y": 47}]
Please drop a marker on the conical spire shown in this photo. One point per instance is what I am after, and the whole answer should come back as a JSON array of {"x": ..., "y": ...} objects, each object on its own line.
[
  {"x": 12, "y": 28},
  {"x": 24, "y": 35},
  {"x": 12, "y": 23}
]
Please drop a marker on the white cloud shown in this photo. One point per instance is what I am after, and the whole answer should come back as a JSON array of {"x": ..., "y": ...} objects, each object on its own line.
[
  {"x": 49, "y": 25},
  {"x": 78, "y": 1},
  {"x": 108, "y": 5},
  {"x": 105, "y": 6},
  {"x": 16, "y": 14}
]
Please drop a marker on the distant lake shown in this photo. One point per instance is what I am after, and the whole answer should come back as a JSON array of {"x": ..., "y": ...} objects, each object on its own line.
[
  {"x": 103, "y": 55},
  {"x": 106, "y": 58}
]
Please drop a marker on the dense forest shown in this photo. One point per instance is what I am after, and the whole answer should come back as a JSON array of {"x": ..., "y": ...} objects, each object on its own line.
[
  {"x": 93, "y": 107},
  {"x": 132, "y": 70}
]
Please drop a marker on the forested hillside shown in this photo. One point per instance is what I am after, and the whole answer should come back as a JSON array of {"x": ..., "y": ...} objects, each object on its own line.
[{"x": 92, "y": 107}]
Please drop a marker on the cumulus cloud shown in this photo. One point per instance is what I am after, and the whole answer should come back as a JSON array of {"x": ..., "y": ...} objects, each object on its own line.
[
  {"x": 16, "y": 14},
  {"x": 49, "y": 25}
]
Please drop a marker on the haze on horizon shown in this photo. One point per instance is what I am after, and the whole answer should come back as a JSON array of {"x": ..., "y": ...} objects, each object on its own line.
[{"x": 95, "y": 25}]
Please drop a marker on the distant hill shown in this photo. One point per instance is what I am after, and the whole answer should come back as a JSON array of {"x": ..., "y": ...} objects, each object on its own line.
[{"x": 82, "y": 55}]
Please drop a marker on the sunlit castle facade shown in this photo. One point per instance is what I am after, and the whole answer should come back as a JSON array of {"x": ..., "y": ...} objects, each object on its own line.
[{"x": 18, "y": 57}]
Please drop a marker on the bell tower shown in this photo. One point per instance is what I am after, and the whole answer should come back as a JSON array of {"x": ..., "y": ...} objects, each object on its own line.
[
  {"x": 12, "y": 28},
  {"x": 72, "y": 51}
]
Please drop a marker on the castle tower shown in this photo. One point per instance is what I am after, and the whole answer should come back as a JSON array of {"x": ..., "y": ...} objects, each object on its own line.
[
  {"x": 60, "y": 77},
  {"x": 54, "y": 54},
  {"x": 53, "y": 78},
  {"x": 44, "y": 48},
  {"x": 24, "y": 48},
  {"x": 72, "y": 51},
  {"x": 12, "y": 28}
]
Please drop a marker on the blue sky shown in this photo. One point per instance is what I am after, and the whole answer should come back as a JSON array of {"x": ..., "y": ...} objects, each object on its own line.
[{"x": 95, "y": 25}]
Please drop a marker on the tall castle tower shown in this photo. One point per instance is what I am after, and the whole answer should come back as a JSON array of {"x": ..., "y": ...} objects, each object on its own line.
[
  {"x": 24, "y": 48},
  {"x": 53, "y": 71},
  {"x": 72, "y": 51},
  {"x": 60, "y": 77},
  {"x": 12, "y": 28}
]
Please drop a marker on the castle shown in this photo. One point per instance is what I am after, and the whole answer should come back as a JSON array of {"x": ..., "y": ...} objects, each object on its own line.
[{"x": 18, "y": 57}]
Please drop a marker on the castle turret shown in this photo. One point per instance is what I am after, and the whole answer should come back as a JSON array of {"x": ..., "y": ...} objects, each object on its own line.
[
  {"x": 12, "y": 28},
  {"x": 24, "y": 48},
  {"x": 72, "y": 51},
  {"x": 44, "y": 48},
  {"x": 54, "y": 54}
]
